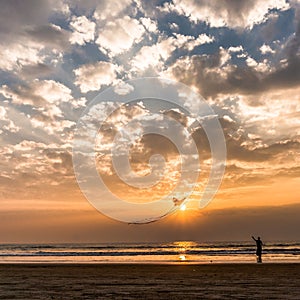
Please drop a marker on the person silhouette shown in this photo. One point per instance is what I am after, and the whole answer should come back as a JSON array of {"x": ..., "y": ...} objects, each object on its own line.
[{"x": 259, "y": 245}]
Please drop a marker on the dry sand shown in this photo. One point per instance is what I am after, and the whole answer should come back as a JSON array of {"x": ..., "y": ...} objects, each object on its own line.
[{"x": 142, "y": 281}]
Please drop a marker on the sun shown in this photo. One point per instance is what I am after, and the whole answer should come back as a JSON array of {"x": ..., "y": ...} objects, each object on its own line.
[{"x": 183, "y": 207}]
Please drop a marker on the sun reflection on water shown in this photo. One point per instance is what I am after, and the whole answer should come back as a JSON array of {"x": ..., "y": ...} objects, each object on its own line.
[
  {"x": 182, "y": 247},
  {"x": 182, "y": 257}
]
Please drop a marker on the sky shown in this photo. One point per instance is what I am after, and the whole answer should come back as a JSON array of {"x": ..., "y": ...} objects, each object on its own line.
[{"x": 242, "y": 57}]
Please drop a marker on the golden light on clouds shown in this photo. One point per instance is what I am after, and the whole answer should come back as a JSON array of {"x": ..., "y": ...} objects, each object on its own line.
[
  {"x": 55, "y": 59},
  {"x": 142, "y": 154}
]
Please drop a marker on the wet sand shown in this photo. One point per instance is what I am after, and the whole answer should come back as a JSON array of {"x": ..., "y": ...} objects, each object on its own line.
[{"x": 144, "y": 281}]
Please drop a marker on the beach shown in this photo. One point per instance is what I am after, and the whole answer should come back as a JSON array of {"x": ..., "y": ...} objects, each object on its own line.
[{"x": 150, "y": 281}]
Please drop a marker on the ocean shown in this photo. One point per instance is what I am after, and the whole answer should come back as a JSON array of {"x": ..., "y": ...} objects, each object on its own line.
[{"x": 185, "y": 252}]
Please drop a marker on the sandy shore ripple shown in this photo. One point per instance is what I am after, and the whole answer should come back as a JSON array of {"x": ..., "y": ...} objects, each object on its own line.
[{"x": 143, "y": 281}]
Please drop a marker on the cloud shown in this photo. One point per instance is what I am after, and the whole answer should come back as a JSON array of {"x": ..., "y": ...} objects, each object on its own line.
[
  {"x": 119, "y": 35},
  {"x": 49, "y": 36},
  {"x": 149, "y": 24},
  {"x": 233, "y": 14},
  {"x": 40, "y": 91},
  {"x": 264, "y": 49},
  {"x": 156, "y": 55},
  {"x": 6, "y": 123},
  {"x": 248, "y": 72},
  {"x": 262, "y": 140},
  {"x": 110, "y": 9},
  {"x": 15, "y": 15},
  {"x": 123, "y": 88},
  {"x": 142, "y": 149},
  {"x": 37, "y": 165},
  {"x": 47, "y": 109},
  {"x": 20, "y": 54},
  {"x": 2, "y": 113},
  {"x": 83, "y": 30},
  {"x": 33, "y": 71},
  {"x": 215, "y": 73},
  {"x": 27, "y": 36},
  {"x": 92, "y": 77},
  {"x": 189, "y": 42},
  {"x": 236, "y": 48},
  {"x": 254, "y": 145},
  {"x": 26, "y": 56}
]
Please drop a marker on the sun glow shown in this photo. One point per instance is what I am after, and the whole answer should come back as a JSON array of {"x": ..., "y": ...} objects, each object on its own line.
[{"x": 183, "y": 207}]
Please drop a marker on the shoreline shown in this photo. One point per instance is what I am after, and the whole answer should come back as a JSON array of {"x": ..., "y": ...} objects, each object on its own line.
[
  {"x": 167, "y": 263},
  {"x": 150, "y": 281}
]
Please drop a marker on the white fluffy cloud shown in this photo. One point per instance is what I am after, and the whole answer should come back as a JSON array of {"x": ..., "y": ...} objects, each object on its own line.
[
  {"x": 83, "y": 30},
  {"x": 226, "y": 13},
  {"x": 277, "y": 118},
  {"x": 20, "y": 54},
  {"x": 155, "y": 55},
  {"x": 34, "y": 46},
  {"x": 2, "y": 113},
  {"x": 6, "y": 123},
  {"x": 46, "y": 98},
  {"x": 47, "y": 115},
  {"x": 91, "y": 77},
  {"x": 236, "y": 49},
  {"x": 123, "y": 88},
  {"x": 190, "y": 42},
  {"x": 110, "y": 9},
  {"x": 149, "y": 24},
  {"x": 40, "y": 91},
  {"x": 264, "y": 49},
  {"x": 52, "y": 91},
  {"x": 262, "y": 66},
  {"x": 119, "y": 35}
]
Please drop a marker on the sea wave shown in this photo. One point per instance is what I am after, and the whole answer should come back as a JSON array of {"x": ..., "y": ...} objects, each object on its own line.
[{"x": 165, "y": 251}]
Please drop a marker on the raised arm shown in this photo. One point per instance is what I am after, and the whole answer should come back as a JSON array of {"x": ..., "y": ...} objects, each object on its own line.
[{"x": 253, "y": 238}]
